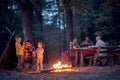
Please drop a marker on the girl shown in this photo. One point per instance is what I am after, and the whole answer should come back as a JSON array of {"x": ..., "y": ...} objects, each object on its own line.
[{"x": 39, "y": 51}]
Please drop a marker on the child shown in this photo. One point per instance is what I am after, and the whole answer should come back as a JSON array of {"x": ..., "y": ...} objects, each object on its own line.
[
  {"x": 19, "y": 53},
  {"x": 39, "y": 51}
]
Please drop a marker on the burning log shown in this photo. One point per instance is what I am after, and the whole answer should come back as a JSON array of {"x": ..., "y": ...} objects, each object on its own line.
[{"x": 59, "y": 67}]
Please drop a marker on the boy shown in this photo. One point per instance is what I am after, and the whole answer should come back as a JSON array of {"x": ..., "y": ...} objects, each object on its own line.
[{"x": 19, "y": 53}]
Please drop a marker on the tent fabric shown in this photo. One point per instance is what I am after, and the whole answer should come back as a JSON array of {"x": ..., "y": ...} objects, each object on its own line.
[{"x": 8, "y": 59}]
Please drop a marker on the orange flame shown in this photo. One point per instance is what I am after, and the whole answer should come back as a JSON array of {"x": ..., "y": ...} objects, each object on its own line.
[{"x": 59, "y": 65}]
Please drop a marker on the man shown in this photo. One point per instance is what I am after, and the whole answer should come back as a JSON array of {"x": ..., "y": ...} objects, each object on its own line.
[
  {"x": 29, "y": 50},
  {"x": 101, "y": 43},
  {"x": 87, "y": 42},
  {"x": 74, "y": 44}
]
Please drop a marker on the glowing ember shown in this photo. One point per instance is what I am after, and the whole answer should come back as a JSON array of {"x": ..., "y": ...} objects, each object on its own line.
[
  {"x": 66, "y": 70},
  {"x": 59, "y": 65}
]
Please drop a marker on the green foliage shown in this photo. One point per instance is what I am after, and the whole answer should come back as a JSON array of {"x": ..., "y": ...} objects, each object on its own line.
[
  {"x": 90, "y": 18},
  {"x": 96, "y": 19}
]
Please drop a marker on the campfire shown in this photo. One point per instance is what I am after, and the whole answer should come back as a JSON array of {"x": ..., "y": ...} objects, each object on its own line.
[{"x": 59, "y": 67}]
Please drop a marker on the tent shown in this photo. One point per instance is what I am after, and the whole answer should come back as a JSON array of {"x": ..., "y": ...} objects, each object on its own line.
[{"x": 8, "y": 59}]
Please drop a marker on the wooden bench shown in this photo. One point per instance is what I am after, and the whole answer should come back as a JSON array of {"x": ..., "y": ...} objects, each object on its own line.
[
  {"x": 82, "y": 53},
  {"x": 92, "y": 55},
  {"x": 111, "y": 51}
]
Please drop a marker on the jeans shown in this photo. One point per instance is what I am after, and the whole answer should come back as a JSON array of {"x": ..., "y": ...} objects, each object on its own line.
[
  {"x": 32, "y": 62},
  {"x": 20, "y": 64}
]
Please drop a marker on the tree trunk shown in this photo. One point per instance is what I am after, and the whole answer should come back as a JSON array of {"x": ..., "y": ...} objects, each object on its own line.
[
  {"x": 27, "y": 9},
  {"x": 69, "y": 25},
  {"x": 40, "y": 18},
  {"x": 64, "y": 34},
  {"x": 69, "y": 21}
]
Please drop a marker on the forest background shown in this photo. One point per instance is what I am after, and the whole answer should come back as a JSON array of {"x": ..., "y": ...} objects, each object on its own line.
[{"x": 57, "y": 22}]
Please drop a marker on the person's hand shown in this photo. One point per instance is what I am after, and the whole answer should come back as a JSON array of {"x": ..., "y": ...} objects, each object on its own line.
[
  {"x": 74, "y": 47},
  {"x": 24, "y": 43}
]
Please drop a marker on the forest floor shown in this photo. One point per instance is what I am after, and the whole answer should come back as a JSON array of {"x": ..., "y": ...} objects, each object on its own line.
[{"x": 81, "y": 73}]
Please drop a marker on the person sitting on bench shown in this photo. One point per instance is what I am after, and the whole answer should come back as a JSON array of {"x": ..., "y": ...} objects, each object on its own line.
[{"x": 101, "y": 43}]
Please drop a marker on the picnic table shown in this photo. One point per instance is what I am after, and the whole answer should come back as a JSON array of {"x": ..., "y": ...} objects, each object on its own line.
[
  {"x": 83, "y": 52},
  {"x": 92, "y": 53},
  {"x": 111, "y": 50}
]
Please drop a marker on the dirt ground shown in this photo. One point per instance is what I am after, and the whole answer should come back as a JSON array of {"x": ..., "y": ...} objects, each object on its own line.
[{"x": 81, "y": 73}]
